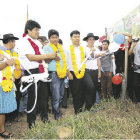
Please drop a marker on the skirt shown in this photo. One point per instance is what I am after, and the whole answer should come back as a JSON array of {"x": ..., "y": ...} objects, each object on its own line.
[{"x": 7, "y": 101}]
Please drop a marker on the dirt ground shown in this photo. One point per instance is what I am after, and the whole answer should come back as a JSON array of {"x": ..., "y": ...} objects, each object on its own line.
[{"x": 18, "y": 128}]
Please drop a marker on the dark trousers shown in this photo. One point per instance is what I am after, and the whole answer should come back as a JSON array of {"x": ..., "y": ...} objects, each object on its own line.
[
  {"x": 18, "y": 96},
  {"x": 65, "y": 98},
  {"x": 83, "y": 90},
  {"x": 137, "y": 86},
  {"x": 94, "y": 76},
  {"x": 42, "y": 100},
  {"x": 130, "y": 88}
]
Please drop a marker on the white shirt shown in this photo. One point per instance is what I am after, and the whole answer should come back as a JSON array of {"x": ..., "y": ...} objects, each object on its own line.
[
  {"x": 25, "y": 48},
  {"x": 91, "y": 63},
  {"x": 77, "y": 56}
]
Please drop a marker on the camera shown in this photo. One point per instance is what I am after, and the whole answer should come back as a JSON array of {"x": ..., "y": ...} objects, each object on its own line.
[{"x": 135, "y": 40}]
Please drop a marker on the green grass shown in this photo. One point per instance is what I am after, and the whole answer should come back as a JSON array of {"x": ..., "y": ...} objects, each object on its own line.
[{"x": 111, "y": 120}]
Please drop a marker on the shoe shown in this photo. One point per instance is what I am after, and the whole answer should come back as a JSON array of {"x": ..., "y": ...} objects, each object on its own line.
[
  {"x": 58, "y": 116},
  {"x": 64, "y": 107},
  {"x": 5, "y": 136},
  {"x": 30, "y": 125},
  {"x": 45, "y": 120}
]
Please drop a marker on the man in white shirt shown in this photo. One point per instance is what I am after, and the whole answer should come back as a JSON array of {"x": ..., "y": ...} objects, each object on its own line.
[
  {"x": 93, "y": 64},
  {"x": 32, "y": 57},
  {"x": 79, "y": 84}
]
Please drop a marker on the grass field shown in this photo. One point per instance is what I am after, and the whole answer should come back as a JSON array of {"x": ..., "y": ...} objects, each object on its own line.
[{"x": 111, "y": 120}]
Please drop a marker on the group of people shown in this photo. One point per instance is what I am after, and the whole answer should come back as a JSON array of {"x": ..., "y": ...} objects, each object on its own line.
[{"x": 82, "y": 66}]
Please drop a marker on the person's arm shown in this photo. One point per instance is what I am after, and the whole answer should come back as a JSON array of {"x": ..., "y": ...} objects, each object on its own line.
[
  {"x": 33, "y": 57},
  {"x": 99, "y": 68},
  {"x": 57, "y": 58},
  {"x": 113, "y": 56},
  {"x": 70, "y": 76},
  {"x": 132, "y": 48},
  {"x": 48, "y": 60},
  {"x": 68, "y": 57},
  {"x": 92, "y": 54},
  {"x": 127, "y": 34},
  {"x": 100, "y": 55},
  {"x": 2, "y": 57},
  {"x": 88, "y": 52},
  {"x": 9, "y": 62},
  {"x": 47, "y": 50},
  {"x": 3, "y": 65}
]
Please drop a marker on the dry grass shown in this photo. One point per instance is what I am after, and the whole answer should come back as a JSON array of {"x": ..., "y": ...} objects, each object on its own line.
[
  {"x": 19, "y": 128},
  {"x": 109, "y": 120}
]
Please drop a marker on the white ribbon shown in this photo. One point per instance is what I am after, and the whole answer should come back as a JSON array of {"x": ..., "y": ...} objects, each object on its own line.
[
  {"x": 89, "y": 56},
  {"x": 85, "y": 59},
  {"x": 31, "y": 79},
  {"x": 114, "y": 66}
]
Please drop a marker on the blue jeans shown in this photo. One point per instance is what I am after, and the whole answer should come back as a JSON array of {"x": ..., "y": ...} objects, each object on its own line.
[
  {"x": 57, "y": 87},
  {"x": 23, "y": 104},
  {"x": 97, "y": 97}
]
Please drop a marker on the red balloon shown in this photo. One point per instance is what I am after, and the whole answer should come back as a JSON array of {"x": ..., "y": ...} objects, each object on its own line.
[
  {"x": 102, "y": 38},
  {"x": 117, "y": 79}
]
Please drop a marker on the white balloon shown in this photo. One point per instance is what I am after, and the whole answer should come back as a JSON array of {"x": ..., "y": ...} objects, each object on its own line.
[{"x": 113, "y": 47}]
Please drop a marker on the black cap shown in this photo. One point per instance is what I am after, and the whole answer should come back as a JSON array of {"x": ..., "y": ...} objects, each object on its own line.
[
  {"x": 90, "y": 35},
  {"x": 9, "y": 36}
]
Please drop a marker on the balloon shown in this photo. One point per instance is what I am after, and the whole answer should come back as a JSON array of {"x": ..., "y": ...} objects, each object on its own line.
[
  {"x": 122, "y": 47},
  {"x": 102, "y": 38},
  {"x": 113, "y": 47},
  {"x": 117, "y": 79},
  {"x": 119, "y": 38}
]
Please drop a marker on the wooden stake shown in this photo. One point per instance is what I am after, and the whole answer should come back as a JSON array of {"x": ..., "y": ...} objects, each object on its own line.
[{"x": 124, "y": 82}]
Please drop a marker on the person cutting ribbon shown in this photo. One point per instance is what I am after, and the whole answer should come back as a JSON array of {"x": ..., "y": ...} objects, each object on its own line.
[{"x": 33, "y": 58}]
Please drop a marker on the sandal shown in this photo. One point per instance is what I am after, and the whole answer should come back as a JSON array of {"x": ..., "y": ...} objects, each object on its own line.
[{"x": 5, "y": 136}]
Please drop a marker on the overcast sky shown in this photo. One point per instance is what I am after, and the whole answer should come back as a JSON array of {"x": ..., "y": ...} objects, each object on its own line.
[{"x": 64, "y": 15}]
